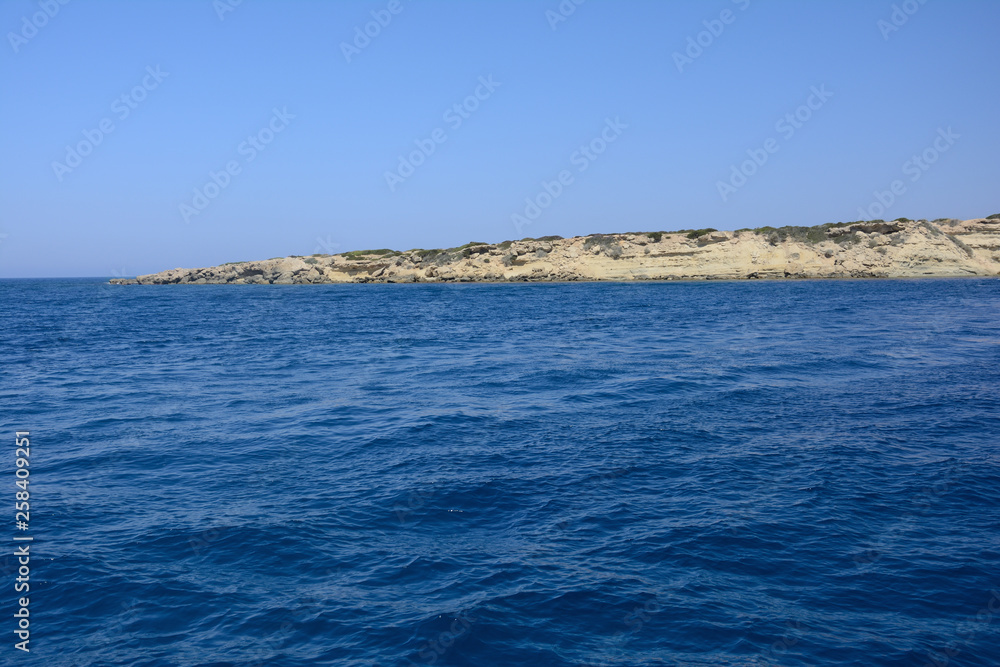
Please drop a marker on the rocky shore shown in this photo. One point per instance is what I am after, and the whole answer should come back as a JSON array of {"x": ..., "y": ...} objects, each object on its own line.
[{"x": 870, "y": 249}]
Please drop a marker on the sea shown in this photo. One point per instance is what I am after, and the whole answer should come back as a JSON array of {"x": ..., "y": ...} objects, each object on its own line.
[{"x": 564, "y": 475}]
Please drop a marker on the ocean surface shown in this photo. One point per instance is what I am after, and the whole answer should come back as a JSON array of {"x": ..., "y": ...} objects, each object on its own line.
[{"x": 736, "y": 473}]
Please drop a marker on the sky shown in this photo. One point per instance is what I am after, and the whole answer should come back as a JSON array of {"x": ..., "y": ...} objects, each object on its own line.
[{"x": 146, "y": 135}]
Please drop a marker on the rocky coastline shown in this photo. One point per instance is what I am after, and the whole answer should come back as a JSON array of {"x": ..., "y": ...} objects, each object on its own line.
[{"x": 865, "y": 249}]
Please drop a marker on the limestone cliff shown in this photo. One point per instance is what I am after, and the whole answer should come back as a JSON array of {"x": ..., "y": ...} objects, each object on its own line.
[{"x": 876, "y": 249}]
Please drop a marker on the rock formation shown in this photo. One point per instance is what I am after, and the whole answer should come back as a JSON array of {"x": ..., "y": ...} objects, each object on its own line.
[{"x": 875, "y": 249}]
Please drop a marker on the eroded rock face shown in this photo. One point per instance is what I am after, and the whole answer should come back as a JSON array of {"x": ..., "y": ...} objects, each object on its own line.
[{"x": 899, "y": 249}]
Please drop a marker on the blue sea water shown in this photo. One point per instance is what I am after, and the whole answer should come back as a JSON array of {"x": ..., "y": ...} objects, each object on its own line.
[{"x": 738, "y": 473}]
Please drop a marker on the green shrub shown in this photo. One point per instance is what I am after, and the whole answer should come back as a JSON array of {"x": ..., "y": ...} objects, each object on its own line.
[
  {"x": 931, "y": 228},
  {"x": 695, "y": 233},
  {"x": 995, "y": 216},
  {"x": 311, "y": 260},
  {"x": 796, "y": 233},
  {"x": 470, "y": 249},
  {"x": 816, "y": 235},
  {"x": 358, "y": 254},
  {"x": 608, "y": 244},
  {"x": 655, "y": 236},
  {"x": 957, "y": 241}
]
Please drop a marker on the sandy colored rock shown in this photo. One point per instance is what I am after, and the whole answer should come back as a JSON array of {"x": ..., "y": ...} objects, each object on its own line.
[{"x": 902, "y": 249}]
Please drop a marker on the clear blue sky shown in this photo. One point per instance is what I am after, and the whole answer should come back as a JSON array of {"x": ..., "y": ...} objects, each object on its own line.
[{"x": 320, "y": 184}]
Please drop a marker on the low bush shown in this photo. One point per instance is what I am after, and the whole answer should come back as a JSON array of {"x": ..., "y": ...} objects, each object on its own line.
[
  {"x": 961, "y": 244},
  {"x": 931, "y": 228},
  {"x": 795, "y": 233},
  {"x": 609, "y": 245},
  {"x": 470, "y": 249},
  {"x": 358, "y": 254}
]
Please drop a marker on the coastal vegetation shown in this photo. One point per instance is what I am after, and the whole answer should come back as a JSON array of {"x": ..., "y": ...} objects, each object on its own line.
[
  {"x": 697, "y": 233},
  {"x": 607, "y": 243},
  {"x": 381, "y": 252}
]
